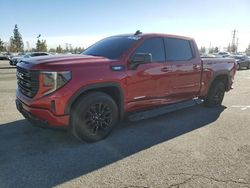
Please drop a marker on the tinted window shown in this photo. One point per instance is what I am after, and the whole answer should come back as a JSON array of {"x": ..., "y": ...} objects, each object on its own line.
[
  {"x": 112, "y": 47},
  {"x": 177, "y": 49},
  {"x": 155, "y": 47},
  {"x": 34, "y": 54},
  {"x": 43, "y": 54}
]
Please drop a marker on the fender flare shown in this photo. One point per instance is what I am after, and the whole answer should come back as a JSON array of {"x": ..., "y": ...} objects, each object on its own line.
[
  {"x": 217, "y": 74},
  {"x": 87, "y": 88}
]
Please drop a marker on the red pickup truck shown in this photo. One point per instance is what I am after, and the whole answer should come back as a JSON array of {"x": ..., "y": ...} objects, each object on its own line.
[{"x": 90, "y": 92}]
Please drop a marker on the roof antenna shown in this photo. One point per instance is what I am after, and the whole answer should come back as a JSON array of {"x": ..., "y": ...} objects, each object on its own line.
[{"x": 138, "y": 32}]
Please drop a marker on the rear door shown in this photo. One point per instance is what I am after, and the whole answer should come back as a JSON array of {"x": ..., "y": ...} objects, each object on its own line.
[{"x": 186, "y": 68}]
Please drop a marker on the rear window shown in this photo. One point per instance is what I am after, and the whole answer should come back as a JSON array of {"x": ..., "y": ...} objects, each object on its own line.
[
  {"x": 112, "y": 47},
  {"x": 178, "y": 49}
]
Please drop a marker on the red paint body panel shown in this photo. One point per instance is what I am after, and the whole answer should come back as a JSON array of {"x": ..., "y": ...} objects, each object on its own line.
[
  {"x": 46, "y": 115},
  {"x": 148, "y": 86}
]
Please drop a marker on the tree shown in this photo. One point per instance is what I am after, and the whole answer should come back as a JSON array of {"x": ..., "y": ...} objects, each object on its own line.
[
  {"x": 59, "y": 49},
  {"x": 12, "y": 46},
  {"x": 80, "y": 49},
  {"x": 33, "y": 50},
  {"x": 202, "y": 50},
  {"x": 2, "y": 47},
  {"x": 216, "y": 49},
  {"x": 41, "y": 46},
  {"x": 66, "y": 50},
  {"x": 77, "y": 50},
  {"x": 234, "y": 48},
  {"x": 16, "y": 41},
  {"x": 248, "y": 50},
  {"x": 229, "y": 47},
  {"x": 52, "y": 50},
  {"x": 211, "y": 50}
]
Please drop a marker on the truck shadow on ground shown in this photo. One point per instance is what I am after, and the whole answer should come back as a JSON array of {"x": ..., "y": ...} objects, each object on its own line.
[{"x": 36, "y": 157}]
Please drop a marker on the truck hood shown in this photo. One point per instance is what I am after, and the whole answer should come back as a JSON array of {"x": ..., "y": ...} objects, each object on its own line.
[{"x": 63, "y": 59}]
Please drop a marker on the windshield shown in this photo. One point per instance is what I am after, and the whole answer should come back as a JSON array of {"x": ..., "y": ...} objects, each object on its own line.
[{"x": 112, "y": 47}]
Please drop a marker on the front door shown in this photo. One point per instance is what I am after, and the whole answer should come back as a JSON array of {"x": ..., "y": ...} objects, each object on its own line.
[{"x": 143, "y": 82}]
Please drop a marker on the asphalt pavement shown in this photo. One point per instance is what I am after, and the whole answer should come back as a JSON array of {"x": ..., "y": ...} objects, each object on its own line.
[{"x": 193, "y": 147}]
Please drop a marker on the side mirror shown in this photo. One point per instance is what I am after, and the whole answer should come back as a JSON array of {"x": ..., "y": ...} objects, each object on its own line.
[{"x": 140, "y": 58}]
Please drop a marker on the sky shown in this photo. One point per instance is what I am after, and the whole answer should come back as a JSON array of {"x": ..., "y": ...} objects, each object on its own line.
[{"x": 83, "y": 22}]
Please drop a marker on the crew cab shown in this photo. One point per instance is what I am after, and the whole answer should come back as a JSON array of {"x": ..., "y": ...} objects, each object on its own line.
[{"x": 91, "y": 92}]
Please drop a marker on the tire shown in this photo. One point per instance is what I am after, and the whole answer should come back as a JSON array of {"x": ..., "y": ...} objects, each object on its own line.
[
  {"x": 93, "y": 117},
  {"x": 215, "y": 94}
]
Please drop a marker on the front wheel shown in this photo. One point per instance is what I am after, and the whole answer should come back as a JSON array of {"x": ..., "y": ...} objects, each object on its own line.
[
  {"x": 93, "y": 117},
  {"x": 215, "y": 94}
]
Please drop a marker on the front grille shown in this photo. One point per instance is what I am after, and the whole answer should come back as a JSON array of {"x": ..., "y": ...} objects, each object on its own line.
[{"x": 27, "y": 81}]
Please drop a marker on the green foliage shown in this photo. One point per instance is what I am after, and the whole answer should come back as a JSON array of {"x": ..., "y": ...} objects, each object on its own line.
[
  {"x": 216, "y": 49},
  {"x": 203, "y": 50},
  {"x": 16, "y": 41},
  {"x": 2, "y": 47},
  {"x": 41, "y": 46},
  {"x": 232, "y": 48},
  {"x": 52, "y": 50},
  {"x": 248, "y": 50},
  {"x": 77, "y": 50},
  {"x": 211, "y": 50},
  {"x": 59, "y": 49},
  {"x": 229, "y": 47}
]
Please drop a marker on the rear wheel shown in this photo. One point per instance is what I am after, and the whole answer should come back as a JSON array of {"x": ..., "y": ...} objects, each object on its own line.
[
  {"x": 248, "y": 67},
  {"x": 215, "y": 94},
  {"x": 93, "y": 117}
]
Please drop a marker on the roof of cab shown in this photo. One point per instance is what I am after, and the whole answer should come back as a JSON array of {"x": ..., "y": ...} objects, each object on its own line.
[{"x": 148, "y": 35}]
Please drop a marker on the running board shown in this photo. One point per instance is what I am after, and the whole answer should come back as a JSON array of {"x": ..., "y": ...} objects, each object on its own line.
[{"x": 163, "y": 110}]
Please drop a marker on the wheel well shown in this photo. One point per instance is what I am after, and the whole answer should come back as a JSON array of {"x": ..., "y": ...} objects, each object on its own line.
[
  {"x": 224, "y": 79},
  {"x": 112, "y": 91}
]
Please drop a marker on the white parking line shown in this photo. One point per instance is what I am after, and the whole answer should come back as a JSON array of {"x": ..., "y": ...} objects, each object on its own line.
[{"x": 241, "y": 107}]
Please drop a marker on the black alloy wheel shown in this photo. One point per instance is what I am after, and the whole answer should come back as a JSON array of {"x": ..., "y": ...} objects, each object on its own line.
[
  {"x": 98, "y": 117},
  {"x": 93, "y": 116}
]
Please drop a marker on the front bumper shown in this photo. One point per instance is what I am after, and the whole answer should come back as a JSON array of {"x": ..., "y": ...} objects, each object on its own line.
[{"x": 42, "y": 116}]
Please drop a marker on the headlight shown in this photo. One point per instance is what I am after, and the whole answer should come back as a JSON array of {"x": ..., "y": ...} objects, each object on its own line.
[{"x": 51, "y": 81}]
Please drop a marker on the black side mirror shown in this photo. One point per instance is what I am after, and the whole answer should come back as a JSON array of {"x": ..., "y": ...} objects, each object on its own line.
[{"x": 140, "y": 58}]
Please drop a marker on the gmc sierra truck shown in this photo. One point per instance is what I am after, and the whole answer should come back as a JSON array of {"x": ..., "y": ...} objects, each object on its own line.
[{"x": 91, "y": 92}]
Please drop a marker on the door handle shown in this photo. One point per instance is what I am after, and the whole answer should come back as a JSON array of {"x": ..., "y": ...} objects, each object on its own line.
[{"x": 164, "y": 69}]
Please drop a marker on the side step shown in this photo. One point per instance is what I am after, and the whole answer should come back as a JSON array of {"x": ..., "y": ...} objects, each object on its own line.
[{"x": 163, "y": 110}]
